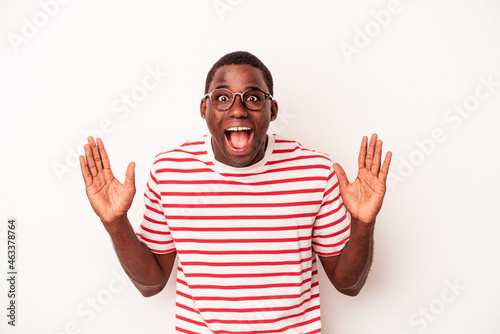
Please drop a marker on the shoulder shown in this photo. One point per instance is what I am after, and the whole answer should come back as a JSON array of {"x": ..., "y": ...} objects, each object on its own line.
[
  {"x": 194, "y": 147},
  {"x": 292, "y": 150},
  {"x": 188, "y": 153}
]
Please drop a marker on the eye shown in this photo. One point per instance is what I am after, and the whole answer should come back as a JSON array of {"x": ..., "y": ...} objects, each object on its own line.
[
  {"x": 222, "y": 98},
  {"x": 252, "y": 98}
]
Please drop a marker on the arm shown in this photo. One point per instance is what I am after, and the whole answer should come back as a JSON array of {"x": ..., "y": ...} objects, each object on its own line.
[
  {"x": 148, "y": 272},
  {"x": 363, "y": 200},
  {"x": 349, "y": 270},
  {"x": 111, "y": 201}
]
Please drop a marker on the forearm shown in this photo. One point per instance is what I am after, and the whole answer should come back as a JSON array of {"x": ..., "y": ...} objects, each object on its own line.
[
  {"x": 353, "y": 264},
  {"x": 135, "y": 257}
]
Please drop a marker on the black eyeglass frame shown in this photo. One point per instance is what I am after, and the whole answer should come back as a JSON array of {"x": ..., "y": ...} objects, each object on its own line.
[{"x": 209, "y": 95}]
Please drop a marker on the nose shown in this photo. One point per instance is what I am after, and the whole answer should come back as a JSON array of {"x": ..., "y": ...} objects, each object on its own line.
[{"x": 238, "y": 109}]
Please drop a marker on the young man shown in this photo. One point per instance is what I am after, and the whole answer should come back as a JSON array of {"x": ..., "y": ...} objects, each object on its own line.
[{"x": 246, "y": 212}]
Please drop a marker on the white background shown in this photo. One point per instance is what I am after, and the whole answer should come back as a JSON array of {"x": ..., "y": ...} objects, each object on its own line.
[{"x": 438, "y": 228}]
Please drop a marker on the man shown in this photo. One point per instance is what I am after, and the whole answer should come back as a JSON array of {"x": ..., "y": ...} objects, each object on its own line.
[{"x": 246, "y": 212}]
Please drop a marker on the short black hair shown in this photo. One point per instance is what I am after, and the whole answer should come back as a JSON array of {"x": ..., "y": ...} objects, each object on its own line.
[{"x": 240, "y": 58}]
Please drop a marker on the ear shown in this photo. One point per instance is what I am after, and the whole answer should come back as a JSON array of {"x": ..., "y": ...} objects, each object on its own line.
[
  {"x": 203, "y": 107},
  {"x": 274, "y": 110}
]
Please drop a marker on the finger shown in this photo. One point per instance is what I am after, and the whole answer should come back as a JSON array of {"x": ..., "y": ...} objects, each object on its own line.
[
  {"x": 130, "y": 175},
  {"x": 90, "y": 160},
  {"x": 384, "y": 171},
  {"x": 377, "y": 158},
  {"x": 95, "y": 153},
  {"x": 362, "y": 152},
  {"x": 341, "y": 176},
  {"x": 87, "y": 177},
  {"x": 104, "y": 155},
  {"x": 371, "y": 151}
]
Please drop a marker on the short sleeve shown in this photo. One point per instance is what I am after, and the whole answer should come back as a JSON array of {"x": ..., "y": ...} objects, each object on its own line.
[
  {"x": 332, "y": 225},
  {"x": 154, "y": 230}
]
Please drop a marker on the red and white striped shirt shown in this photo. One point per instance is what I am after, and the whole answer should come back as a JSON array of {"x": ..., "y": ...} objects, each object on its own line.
[{"x": 246, "y": 237}]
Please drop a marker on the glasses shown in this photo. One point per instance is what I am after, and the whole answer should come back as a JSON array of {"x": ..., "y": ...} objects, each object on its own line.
[{"x": 223, "y": 99}]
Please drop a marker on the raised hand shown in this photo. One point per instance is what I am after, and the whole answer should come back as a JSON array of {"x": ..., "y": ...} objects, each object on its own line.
[
  {"x": 109, "y": 198},
  {"x": 363, "y": 198}
]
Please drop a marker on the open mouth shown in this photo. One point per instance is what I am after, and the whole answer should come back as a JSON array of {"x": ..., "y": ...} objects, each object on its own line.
[{"x": 239, "y": 137}]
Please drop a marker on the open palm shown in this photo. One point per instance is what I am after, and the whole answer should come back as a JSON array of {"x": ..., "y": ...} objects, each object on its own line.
[
  {"x": 363, "y": 198},
  {"x": 109, "y": 198}
]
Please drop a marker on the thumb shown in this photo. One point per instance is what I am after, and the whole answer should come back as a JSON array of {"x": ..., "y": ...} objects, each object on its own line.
[
  {"x": 341, "y": 176},
  {"x": 130, "y": 175}
]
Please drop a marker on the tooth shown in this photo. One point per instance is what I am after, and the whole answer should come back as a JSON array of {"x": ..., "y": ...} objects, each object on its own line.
[{"x": 239, "y": 128}]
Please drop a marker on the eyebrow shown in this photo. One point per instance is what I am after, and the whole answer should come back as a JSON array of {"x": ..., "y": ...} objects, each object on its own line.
[{"x": 246, "y": 88}]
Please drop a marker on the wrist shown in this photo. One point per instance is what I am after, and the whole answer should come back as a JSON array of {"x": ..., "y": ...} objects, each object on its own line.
[
  {"x": 361, "y": 228},
  {"x": 115, "y": 224}
]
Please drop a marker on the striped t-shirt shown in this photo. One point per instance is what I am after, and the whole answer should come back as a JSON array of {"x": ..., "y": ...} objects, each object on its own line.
[{"x": 246, "y": 238}]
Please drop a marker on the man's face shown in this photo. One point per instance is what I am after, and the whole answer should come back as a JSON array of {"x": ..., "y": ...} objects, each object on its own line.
[{"x": 239, "y": 135}]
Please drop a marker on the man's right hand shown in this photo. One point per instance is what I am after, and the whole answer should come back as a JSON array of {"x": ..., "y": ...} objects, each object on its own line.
[{"x": 109, "y": 198}]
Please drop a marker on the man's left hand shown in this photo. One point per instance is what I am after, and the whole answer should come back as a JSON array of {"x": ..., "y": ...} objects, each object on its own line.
[{"x": 363, "y": 198}]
